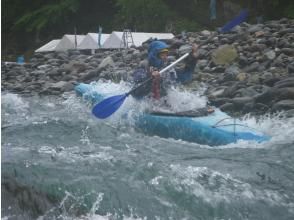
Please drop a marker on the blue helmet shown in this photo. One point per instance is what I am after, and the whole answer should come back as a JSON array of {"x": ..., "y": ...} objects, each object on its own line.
[{"x": 154, "y": 49}]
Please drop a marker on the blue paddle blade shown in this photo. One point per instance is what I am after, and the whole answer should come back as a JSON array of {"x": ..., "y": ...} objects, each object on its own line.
[
  {"x": 236, "y": 21},
  {"x": 108, "y": 106}
]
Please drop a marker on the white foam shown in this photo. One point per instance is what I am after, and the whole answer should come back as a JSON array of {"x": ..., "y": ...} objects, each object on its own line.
[
  {"x": 70, "y": 201},
  {"x": 214, "y": 187},
  {"x": 183, "y": 100},
  {"x": 14, "y": 103}
]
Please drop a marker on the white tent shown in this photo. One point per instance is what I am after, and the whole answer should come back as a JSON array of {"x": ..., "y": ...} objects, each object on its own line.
[
  {"x": 91, "y": 41},
  {"x": 115, "y": 40},
  {"x": 68, "y": 42},
  {"x": 50, "y": 46}
]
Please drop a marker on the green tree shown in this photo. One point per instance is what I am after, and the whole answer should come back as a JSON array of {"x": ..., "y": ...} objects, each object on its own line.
[
  {"x": 143, "y": 15},
  {"x": 48, "y": 14}
]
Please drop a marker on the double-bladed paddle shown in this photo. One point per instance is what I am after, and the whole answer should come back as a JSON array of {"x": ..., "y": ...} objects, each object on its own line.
[{"x": 111, "y": 104}]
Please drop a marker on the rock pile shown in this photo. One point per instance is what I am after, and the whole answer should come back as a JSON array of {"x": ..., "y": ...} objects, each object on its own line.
[{"x": 250, "y": 69}]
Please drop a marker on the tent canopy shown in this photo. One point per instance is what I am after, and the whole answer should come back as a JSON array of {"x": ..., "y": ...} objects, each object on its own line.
[
  {"x": 68, "y": 42},
  {"x": 91, "y": 41},
  {"x": 50, "y": 46},
  {"x": 115, "y": 40}
]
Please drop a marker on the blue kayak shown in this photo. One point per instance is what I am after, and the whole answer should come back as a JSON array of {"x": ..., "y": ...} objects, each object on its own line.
[{"x": 210, "y": 128}]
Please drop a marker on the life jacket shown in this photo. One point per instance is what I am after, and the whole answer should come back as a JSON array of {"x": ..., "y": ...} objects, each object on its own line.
[{"x": 155, "y": 62}]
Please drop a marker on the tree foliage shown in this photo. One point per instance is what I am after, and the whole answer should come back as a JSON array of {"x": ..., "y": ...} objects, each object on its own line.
[
  {"x": 47, "y": 14},
  {"x": 143, "y": 15},
  {"x": 25, "y": 20}
]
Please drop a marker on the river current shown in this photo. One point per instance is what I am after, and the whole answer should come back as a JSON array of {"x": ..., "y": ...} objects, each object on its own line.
[{"x": 59, "y": 162}]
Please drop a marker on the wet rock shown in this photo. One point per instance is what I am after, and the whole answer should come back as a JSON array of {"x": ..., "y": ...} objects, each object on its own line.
[
  {"x": 217, "y": 69},
  {"x": 187, "y": 48},
  {"x": 227, "y": 107},
  {"x": 290, "y": 68},
  {"x": 243, "y": 92},
  {"x": 22, "y": 201},
  {"x": 283, "y": 105},
  {"x": 283, "y": 93},
  {"x": 289, "y": 113},
  {"x": 202, "y": 63},
  {"x": 232, "y": 70},
  {"x": 261, "y": 107},
  {"x": 74, "y": 67},
  {"x": 271, "y": 81},
  {"x": 287, "y": 31},
  {"x": 216, "y": 92},
  {"x": 288, "y": 82},
  {"x": 255, "y": 28},
  {"x": 288, "y": 51},
  {"x": 90, "y": 75},
  {"x": 107, "y": 62},
  {"x": 265, "y": 97},
  {"x": 253, "y": 67},
  {"x": 61, "y": 85},
  {"x": 270, "y": 54},
  {"x": 239, "y": 102},
  {"x": 242, "y": 77},
  {"x": 53, "y": 72},
  {"x": 231, "y": 90},
  {"x": 243, "y": 61}
]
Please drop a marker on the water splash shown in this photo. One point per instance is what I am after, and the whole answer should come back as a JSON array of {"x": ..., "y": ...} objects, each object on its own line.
[
  {"x": 215, "y": 188},
  {"x": 68, "y": 206},
  {"x": 13, "y": 102}
]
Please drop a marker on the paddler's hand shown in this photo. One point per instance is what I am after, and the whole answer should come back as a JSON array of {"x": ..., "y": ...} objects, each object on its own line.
[
  {"x": 194, "y": 52},
  {"x": 155, "y": 74}
]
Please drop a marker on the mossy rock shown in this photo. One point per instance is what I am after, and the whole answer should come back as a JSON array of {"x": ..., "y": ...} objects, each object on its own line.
[{"x": 224, "y": 55}]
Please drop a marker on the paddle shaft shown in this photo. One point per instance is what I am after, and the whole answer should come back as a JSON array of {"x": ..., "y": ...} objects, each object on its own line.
[{"x": 161, "y": 71}]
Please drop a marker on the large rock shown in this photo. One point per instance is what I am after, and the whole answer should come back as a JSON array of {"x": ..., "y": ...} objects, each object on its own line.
[
  {"x": 227, "y": 107},
  {"x": 283, "y": 93},
  {"x": 107, "y": 62},
  {"x": 216, "y": 92},
  {"x": 270, "y": 54},
  {"x": 224, "y": 55},
  {"x": 187, "y": 48},
  {"x": 284, "y": 105},
  {"x": 239, "y": 102},
  {"x": 74, "y": 67},
  {"x": 290, "y": 68},
  {"x": 90, "y": 75},
  {"x": 288, "y": 82},
  {"x": 61, "y": 86}
]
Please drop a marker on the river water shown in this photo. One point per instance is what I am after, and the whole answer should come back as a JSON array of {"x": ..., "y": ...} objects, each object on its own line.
[{"x": 60, "y": 162}]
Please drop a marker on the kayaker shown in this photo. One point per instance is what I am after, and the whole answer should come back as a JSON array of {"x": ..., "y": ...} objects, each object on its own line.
[{"x": 157, "y": 60}]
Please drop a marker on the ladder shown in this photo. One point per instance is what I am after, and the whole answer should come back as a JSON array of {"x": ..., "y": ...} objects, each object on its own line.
[{"x": 127, "y": 39}]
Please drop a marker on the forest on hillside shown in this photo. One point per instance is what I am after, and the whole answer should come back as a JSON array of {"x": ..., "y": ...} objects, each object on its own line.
[{"x": 28, "y": 24}]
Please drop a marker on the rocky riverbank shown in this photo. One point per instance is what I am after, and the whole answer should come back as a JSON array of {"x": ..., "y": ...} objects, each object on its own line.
[{"x": 250, "y": 69}]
